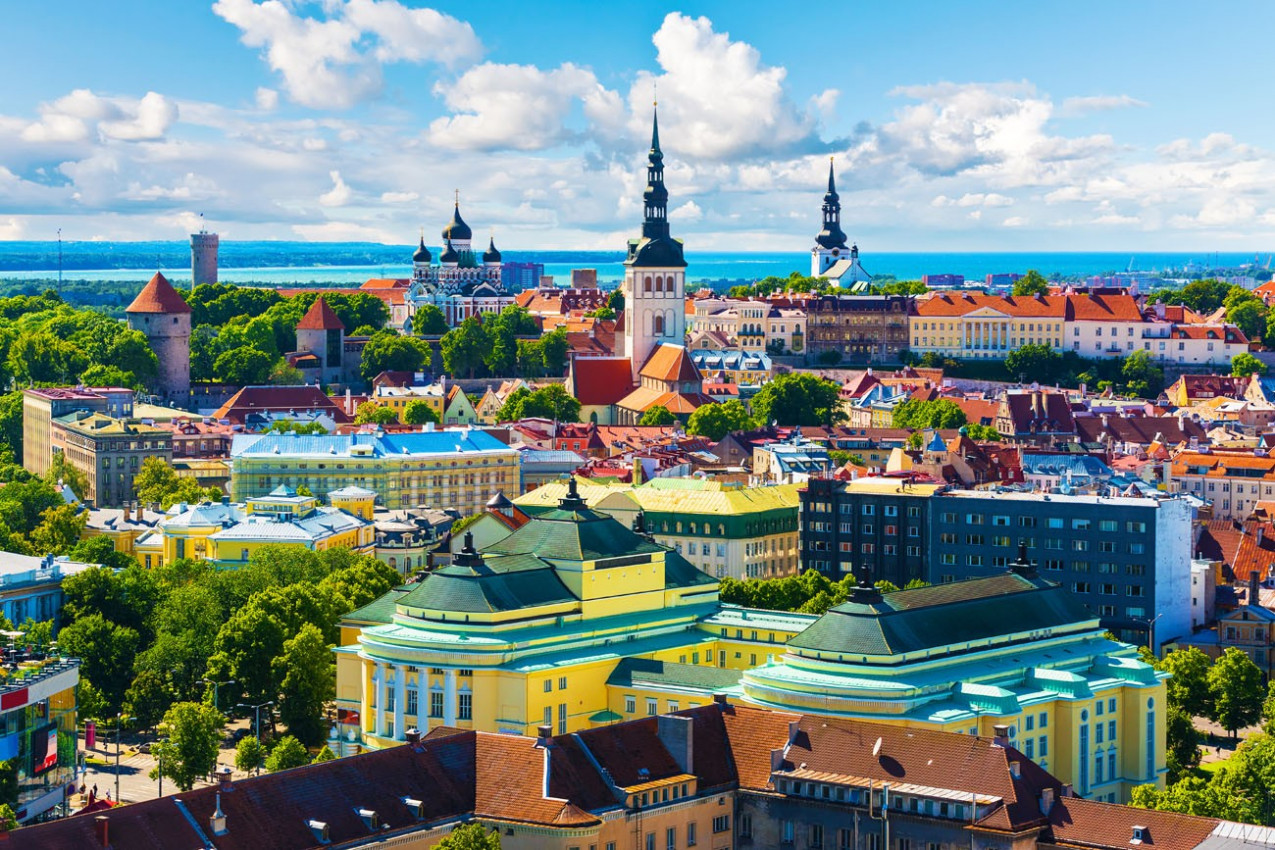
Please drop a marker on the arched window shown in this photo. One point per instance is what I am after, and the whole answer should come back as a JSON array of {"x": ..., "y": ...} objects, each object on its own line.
[
  {"x": 647, "y": 283},
  {"x": 659, "y": 324},
  {"x": 659, "y": 283}
]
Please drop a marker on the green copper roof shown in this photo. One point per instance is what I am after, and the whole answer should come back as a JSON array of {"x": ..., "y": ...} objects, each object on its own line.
[
  {"x": 640, "y": 671},
  {"x": 378, "y": 610},
  {"x": 943, "y": 615},
  {"x": 574, "y": 535},
  {"x": 457, "y": 590}
]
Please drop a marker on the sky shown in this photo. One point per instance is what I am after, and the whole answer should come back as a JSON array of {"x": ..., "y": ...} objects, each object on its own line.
[{"x": 979, "y": 126}]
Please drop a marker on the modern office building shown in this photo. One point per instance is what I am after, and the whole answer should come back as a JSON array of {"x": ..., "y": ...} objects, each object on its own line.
[
  {"x": 40, "y": 406},
  {"x": 38, "y": 733},
  {"x": 457, "y": 469},
  {"x": 1128, "y": 559}
]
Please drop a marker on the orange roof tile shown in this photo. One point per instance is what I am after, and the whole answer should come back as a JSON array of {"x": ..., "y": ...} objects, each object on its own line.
[
  {"x": 1075, "y": 822},
  {"x": 670, "y": 363},
  {"x": 959, "y": 304},
  {"x": 158, "y": 296},
  {"x": 320, "y": 317}
]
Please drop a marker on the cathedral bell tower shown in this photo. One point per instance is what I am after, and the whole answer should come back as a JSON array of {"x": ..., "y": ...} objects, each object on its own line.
[
  {"x": 830, "y": 244},
  {"x": 655, "y": 271}
]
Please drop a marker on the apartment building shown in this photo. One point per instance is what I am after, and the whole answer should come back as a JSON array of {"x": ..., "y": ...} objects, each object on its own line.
[
  {"x": 41, "y": 406},
  {"x": 109, "y": 451}
]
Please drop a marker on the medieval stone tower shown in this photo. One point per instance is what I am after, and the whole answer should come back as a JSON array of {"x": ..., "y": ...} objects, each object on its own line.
[{"x": 160, "y": 313}]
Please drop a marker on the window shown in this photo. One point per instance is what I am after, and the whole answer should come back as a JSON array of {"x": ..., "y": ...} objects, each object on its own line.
[
  {"x": 1107, "y": 525},
  {"x": 670, "y": 838},
  {"x": 690, "y": 834},
  {"x": 845, "y": 839},
  {"x": 435, "y": 703},
  {"x": 548, "y": 685},
  {"x": 1042, "y": 744},
  {"x": 973, "y": 519},
  {"x": 816, "y": 835},
  {"x": 1055, "y": 522},
  {"x": 465, "y": 711},
  {"x": 562, "y": 718},
  {"x": 1000, "y": 521},
  {"x": 413, "y": 702},
  {"x": 721, "y": 823},
  {"x": 630, "y": 704},
  {"x": 650, "y": 839},
  {"x": 652, "y": 707},
  {"x": 562, "y": 683},
  {"x": 745, "y": 826},
  {"x": 787, "y": 832}
]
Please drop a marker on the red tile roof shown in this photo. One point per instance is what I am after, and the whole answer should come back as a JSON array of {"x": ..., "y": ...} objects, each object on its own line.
[
  {"x": 266, "y": 400},
  {"x": 158, "y": 296},
  {"x": 670, "y": 363},
  {"x": 600, "y": 380},
  {"x": 958, "y": 304},
  {"x": 320, "y": 317},
  {"x": 1074, "y": 822},
  {"x": 1103, "y": 308}
]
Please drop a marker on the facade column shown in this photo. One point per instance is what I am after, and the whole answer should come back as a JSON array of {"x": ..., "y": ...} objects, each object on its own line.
[
  {"x": 449, "y": 697},
  {"x": 400, "y": 699},
  {"x": 365, "y": 700},
  {"x": 378, "y": 680}
]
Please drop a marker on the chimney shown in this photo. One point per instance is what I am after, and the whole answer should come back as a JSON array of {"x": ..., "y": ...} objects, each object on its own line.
[
  {"x": 223, "y": 778},
  {"x": 1067, "y": 790},
  {"x": 412, "y": 736},
  {"x": 1253, "y": 598},
  {"x": 128, "y": 512},
  {"x": 217, "y": 821},
  {"x": 544, "y": 737},
  {"x": 1000, "y": 735},
  {"x": 719, "y": 699},
  {"x": 677, "y": 736},
  {"x": 1016, "y": 768},
  {"x": 102, "y": 829},
  {"x": 1046, "y": 801}
]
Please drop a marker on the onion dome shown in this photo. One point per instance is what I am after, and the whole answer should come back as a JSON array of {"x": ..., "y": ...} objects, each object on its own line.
[
  {"x": 422, "y": 254},
  {"x": 491, "y": 255},
  {"x": 457, "y": 229},
  {"x": 449, "y": 255}
]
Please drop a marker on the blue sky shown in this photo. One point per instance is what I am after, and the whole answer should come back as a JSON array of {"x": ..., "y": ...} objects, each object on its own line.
[{"x": 979, "y": 126}]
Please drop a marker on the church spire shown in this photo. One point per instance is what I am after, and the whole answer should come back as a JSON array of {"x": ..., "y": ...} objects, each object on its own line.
[
  {"x": 655, "y": 198},
  {"x": 832, "y": 184},
  {"x": 831, "y": 236}
]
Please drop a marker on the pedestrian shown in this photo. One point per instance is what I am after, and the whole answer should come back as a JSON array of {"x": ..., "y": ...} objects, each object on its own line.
[{"x": 94, "y": 789}]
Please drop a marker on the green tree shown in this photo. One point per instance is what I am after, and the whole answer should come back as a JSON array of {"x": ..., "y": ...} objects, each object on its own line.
[
  {"x": 308, "y": 679},
  {"x": 98, "y": 375},
  {"x": 388, "y": 351},
  {"x": 250, "y": 754},
  {"x": 284, "y": 374},
  {"x": 369, "y": 412},
  {"x": 553, "y": 351},
  {"x": 1188, "y": 689},
  {"x": 59, "y": 529},
  {"x": 194, "y": 738},
  {"x": 429, "y": 321},
  {"x": 283, "y": 426},
  {"x": 1032, "y": 283},
  {"x": 40, "y": 357},
  {"x": 107, "y": 651},
  {"x": 1141, "y": 376},
  {"x": 940, "y": 413},
  {"x": 799, "y": 398},
  {"x": 658, "y": 415},
  {"x": 287, "y": 754},
  {"x": 715, "y": 421},
  {"x": 1036, "y": 361},
  {"x": 158, "y": 483},
  {"x": 1235, "y": 684},
  {"x": 1249, "y": 315},
  {"x": 1245, "y": 364},
  {"x": 419, "y": 412},
  {"x": 147, "y": 698},
  {"x": 465, "y": 347},
  {"x": 1202, "y": 296},
  {"x": 550, "y": 402},
  {"x": 11, "y": 425},
  {"x": 62, "y": 472},
  {"x": 1182, "y": 743},
  {"x": 243, "y": 366},
  {"x": 8, "y": 817},
  {"x": 324, "y": 754},
  {"x": 980, "y": 432},
  {"x": 502, "y": 333},
  {"x": 470, "y": 836}
]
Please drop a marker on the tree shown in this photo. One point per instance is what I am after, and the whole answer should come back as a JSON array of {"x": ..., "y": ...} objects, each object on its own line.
[
  {"x": 147, "y": 698},
  {"x": 1245, "y": 364},
  {"x": 106, "y": 650},
  {"x": 62, "y": 472},
  {"x": 250, "y": 754},
  {"x": 940, "y": 413},
  {"x": 243, "y": 366},
  {"x": 8, "y": 817},
  {"x": 1182, "y": 743},
  {"x": 429, "y": 321},
  {"x": 388, "y": 351},
  {"x": 419, "y": 412},
  {"x": 980, "y": 432},
  {"x": 470, "y": 836},
  {"x": 465, "y": 347},
  {"x": 1249, "y": 315},
  {"x": 657, "y": 415},
  {"x": 59, "y": 529},
  {"x": 550, "y": 402},
  {"x": 287, "y": 754},
  {"x": 1188, "y": 689},
  {"x": 1202, "y": 296},
  {"x": 799, "y": 399},
  {"x": 324, "y": 754},
  {"x": 158, "y": 483},
  {"x": 1036, "y": 361},
  {"x": 284, "y": 374},
  {"x": 503, "y": 332},
  {"x": 1032, "y": 283},
  {"x": 715, "y": 421},
  {"x": 1142, "y": 377},
  {"x": 1235, "y": 684},
  {"x": 553, "y": 351},
  {"x": 283, "y": 426},
  {"x": 98, "y": 375},
  {"x": 190, "y": 752},
  {"x": 11, "y": 424},
  {"x": 308, "y": 679},
  {"x": 371, "y": 413}
]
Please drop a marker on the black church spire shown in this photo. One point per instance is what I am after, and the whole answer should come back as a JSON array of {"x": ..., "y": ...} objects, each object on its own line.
[
  {"x": 655, "y": 198},
  {"x": 831, "y": 236}
]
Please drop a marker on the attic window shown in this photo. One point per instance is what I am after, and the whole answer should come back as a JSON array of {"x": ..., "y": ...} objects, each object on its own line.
[
  {"x": 1139, "y": 835},
  {"x": 369, "y": 818},
  {"x": 320, "y": 830}
]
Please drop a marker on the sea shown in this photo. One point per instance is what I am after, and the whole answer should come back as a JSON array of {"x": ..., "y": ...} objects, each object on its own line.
[{"x": 286, "y": 264}]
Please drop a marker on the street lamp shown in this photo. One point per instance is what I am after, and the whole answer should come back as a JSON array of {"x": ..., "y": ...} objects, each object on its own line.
[
  {"x": 257, "y": 722},
  {"x": 1151, "y": 634},
  {"x": 119, "y": 720},
  {"x": 216, "y": 689},
  {"x": 159, "y": 754}
]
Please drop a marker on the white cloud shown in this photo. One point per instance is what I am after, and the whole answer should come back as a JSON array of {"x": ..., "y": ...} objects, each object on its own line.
[
  {"x": 974, "y": 199},
  {"x": 520, "y": 107},
  {"x": 338, "y": 195},
  {"x": 343, "y": 231},
  {"x": 1073, "y": 107},
  {"x": 267, "y": 99},
  {"x": 399, "y": 197},
  {"x": 12, "y": 228},
  {"x": 689, "y": 211},
  {"x": 333, "y": 62},
  {"x": 152, "y": 117},
  {"x": 1014, "y": 221}
]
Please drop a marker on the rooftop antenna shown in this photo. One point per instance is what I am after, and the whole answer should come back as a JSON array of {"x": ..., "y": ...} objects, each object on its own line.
[{"x": 59, "y": 261}]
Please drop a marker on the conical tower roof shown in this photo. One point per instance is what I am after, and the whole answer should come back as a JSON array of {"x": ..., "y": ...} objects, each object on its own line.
[
  {"x": 158, "y": 296},
  {"x": 320, "y": 317}
]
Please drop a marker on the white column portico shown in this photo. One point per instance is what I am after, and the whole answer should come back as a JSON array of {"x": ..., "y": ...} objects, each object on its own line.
[
  {"x": 449, "y": 698},
  {"x": 378, "y": 681},
  {"x": 400, "y": 699}
]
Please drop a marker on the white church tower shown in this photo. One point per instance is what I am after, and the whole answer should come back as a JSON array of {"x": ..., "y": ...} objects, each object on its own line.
[
  {"x": 655, "y": 272},
  {"x": 830, "y": 243}
]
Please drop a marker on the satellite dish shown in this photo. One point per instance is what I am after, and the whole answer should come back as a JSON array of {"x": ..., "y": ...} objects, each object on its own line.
[{"x": 876, "y": 748}]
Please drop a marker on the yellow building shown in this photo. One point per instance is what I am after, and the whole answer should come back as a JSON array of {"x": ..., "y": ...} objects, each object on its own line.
[
  {"x": 459, "y": 468},
  {"x": 574, "y": 621},
  {"x": 725, "y": 529},
  {"x": 398, "y": 398},
  {"x": 229, "y": 534}
]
